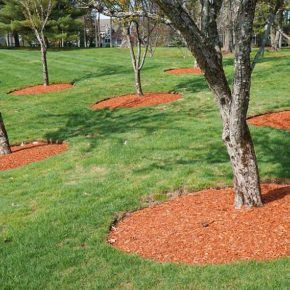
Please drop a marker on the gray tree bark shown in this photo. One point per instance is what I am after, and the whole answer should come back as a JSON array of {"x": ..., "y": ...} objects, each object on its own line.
[
  {"x": 4, "y": 141},
  {"x": 233, "y": 105},
  {"x": 44, "y": 65}
]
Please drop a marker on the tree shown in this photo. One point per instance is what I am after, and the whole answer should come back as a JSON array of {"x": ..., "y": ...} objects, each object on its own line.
[
  {"x": 11, "y": 20},
  {"x": 4, "y": 141},
  {"x": 274, "y": 8},
  {"x": 64, "y": 23},
  {"x": 226, "y": 25},
  {"x": 138, "y": 30},
  {"x": 139, "y": 19},
  {"x": 37, "y": 12},
  {"x": 233, "y": 103}
]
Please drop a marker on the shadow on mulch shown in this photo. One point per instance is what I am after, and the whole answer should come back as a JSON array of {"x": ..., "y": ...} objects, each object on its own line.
[{"x": 276, "y": 194}]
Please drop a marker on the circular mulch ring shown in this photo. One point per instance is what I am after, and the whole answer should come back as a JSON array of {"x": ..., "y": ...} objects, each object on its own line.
[
  {"x": 135, "y": 101},
  {"x": 204, "y": 228},
  {"x": 179, "y": 71},
  {"x": 280, "y": 120},
  {"x": 41, "y": 89},
  {"x": 28, "y": 153}
]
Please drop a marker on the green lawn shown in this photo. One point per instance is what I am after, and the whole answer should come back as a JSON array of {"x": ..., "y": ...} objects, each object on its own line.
[{"x": 55, "y": 214}]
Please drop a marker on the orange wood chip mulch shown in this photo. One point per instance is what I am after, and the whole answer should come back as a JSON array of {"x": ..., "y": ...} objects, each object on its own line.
[
  {"x": 41, "y": 89},
  {"x": 28, "y": 153},
  {"x": 135, "y": 101},
  {"x": 204, "y": 228},
  {"x": 179, "y": 71},
  {"x": 280, "y": 120}
]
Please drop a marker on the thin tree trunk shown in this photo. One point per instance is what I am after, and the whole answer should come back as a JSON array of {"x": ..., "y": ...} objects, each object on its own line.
[
  {"x": 44, "y": 66},
  {"x": 96, "y": 31},
  {"x": 138, "y": 85},
  {"x": 228, "y": 40},
  {"x": 16, "y": 39},
  {"x": 62, "y": 39},
  {"x": 269, "y": 25},
  {"x": 135, "y": 62},
  {"x": 111, "y": 32},
  {"x": 85, "y": 33},
  {"x": 7, "y": 40},
  {"x": 4, "y": 141}
]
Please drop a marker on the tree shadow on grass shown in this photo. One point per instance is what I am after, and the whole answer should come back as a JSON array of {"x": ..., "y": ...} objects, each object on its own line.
[
  {"x": 193, "y": 85},
  {"x": 104, "y": 72},
  {"x": 268, "y": 152},
  {"x": 272, "y": 147},
  {"x": 107, "y": 123}
]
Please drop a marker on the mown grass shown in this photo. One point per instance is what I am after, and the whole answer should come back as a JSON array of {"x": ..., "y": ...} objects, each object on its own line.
[{"x": 55, "y": 214}]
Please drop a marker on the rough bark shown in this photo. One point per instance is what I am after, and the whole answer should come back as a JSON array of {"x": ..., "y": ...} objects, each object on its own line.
[
  {"x": 4, "y": 141},
  {"x": 244, "y": 165},
  {"x": 204, "y": 45}
]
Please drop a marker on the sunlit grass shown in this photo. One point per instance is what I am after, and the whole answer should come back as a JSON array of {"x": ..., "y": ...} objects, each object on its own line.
[{"x": 55, "y": 214}]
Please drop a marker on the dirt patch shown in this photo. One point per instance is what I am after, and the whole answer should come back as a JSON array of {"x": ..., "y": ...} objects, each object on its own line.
[
  {"x": 179, "y": 71},
  {"x": 28, "y": 153},
  {"x": 135, "y": 101},
  {"x": 280, "y": 120},
  {"x": 204, "y": 228},
  {"x": 41, "y": 89}
]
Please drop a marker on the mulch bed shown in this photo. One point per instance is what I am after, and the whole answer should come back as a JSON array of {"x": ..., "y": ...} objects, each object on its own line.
[
  {"x": 204, "y": 228},
  {"x": 280, "y": 120},
  {"x": 179, "y": 71},
  {"x": 135, "y": 101},
  {"x": 41, "y": 89},
  {"x": 28, "y": 153}
]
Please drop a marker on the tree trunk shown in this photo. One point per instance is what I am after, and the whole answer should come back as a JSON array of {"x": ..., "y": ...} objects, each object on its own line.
[
  {"x": 4, "y": 141},
  {"x": 7, "y": 40},
  {"x": 85, "y": 33},
  {"x": 111, "y": 32},
  {"x": 204, "y": 45},
  {"x": 138, "y": 85},
  {"x": 44, "y": 66},
  {"x": 228, "y": 40},
  {"x": 135, "y": 61},
  {"x": 16, "y": 39},
  {"x": 244, "y": 165},
  {"x": 275, "y": 44},
  {"x": 96, "y": 31}
]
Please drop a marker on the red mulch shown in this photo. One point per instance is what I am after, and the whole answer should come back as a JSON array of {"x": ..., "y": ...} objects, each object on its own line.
[
  {"x": 135, "y": 101},
  {"x": 28, "y": 153},
  {"x": 41, "y": 89},
  {"x": 280, "y": 120},
  {"x": 179, "y": 71},
  {"x": 203, "y": 227}
]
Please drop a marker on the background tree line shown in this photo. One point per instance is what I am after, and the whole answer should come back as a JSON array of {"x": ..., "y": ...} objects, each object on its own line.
[{"x": 76, "y": 23}]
